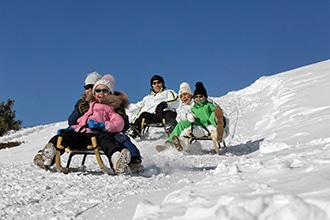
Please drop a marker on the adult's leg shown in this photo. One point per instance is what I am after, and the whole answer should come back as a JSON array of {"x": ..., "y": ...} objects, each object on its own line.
[
  {"x": 170, "y": 118},
  {"x": 149, "y": 118}
]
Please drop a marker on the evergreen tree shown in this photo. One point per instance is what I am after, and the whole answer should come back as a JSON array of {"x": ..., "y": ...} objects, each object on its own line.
[{"x": 7, "y": 117}]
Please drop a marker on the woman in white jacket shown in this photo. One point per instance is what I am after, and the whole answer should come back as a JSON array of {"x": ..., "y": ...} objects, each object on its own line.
[
  {"x": 186, "y": 103},
  {"x": 160, "y": 103}
]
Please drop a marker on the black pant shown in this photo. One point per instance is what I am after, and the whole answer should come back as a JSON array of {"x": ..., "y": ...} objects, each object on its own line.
[
  {"x": 77, "y": 141},
  {"x": 151, "y": 118}
]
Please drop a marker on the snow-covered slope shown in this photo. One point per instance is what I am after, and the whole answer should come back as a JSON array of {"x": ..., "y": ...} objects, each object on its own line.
[{"x": 278, "y": 165}]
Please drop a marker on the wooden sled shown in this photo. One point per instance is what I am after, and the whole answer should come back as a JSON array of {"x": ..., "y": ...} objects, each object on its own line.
[
  {"x": 221, "y": 150},
  {"x": 145, "y": 126},
  {"x": 90, "y": 150}
]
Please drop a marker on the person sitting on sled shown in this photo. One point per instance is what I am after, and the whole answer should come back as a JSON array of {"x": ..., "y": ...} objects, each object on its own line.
[
  {"x": 82, "y": 106},
  {"x": 186, "y": 102},
  {"x": 100, "y": 121},
  {"x": 203, "y": 114},
  {"x": 160, "y": 103}
]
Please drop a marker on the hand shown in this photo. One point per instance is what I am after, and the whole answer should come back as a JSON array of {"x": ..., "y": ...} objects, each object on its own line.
[
  {"x": 161, "y": 106},
  {"x": 92, "y": 124},
  {"x": 83, "y": 107},
  {"x": 190, "y": 117}
]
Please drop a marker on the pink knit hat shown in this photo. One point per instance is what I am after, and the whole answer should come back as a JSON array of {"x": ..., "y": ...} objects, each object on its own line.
[{"x": 107, "y": 80}]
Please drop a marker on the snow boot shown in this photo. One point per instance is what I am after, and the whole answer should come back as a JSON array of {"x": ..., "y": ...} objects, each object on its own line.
[
  {"x": 37, "y": 160},
  {"x": 135, "y": 165},
  {"x": 120, "y": 160},
  {"x": 218, "y": 114},
  {"x": 176, "y": 143},
  {"x": 160, "y": 148},
  {"x": 222, "y": 150},
  {"x": 48, "y": 154}
]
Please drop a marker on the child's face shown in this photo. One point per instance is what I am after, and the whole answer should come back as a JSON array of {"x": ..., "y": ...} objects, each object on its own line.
[
  {"x": 198, "y": 98},
  {"x": 101, "y": 91},
  {"x": 185, "y": 98}
]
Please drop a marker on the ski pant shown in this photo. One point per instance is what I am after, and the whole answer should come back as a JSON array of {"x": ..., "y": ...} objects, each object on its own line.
[
  {"x": 186, "y": 124},
  {"x": 123, "y": 139},
  {"x": 126, "y": 141},
  {"x": 151, "y": 118},
  {"x": 178, "y": 129}
]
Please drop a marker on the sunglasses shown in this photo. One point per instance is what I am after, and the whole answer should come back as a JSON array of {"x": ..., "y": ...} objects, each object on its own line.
[
  {"x": 156, "y": 82},
  {"x": 102, "y": 90},
  {"x": 89, "y": 86},
  {"x": 198, "y": 96}
]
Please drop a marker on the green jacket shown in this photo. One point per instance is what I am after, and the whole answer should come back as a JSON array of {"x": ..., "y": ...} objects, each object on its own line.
[{"x": 205, "y": 112}]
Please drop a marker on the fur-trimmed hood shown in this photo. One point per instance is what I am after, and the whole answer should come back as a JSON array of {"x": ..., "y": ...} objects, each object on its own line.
[{"x": 116, "y": 100}]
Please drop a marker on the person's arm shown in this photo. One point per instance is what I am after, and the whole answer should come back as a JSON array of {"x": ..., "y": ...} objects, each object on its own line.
[
  {"x": 115, "y": 123},
  {"x": 172, "y": 100},
  {"x": 72, "y": 119}
]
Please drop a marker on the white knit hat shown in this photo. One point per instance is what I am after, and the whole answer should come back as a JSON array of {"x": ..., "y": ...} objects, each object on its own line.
[
  {"x": 107, "y": 80},
  {"x": 185, "y": 88},
  {"x": 92, "y": 78}
]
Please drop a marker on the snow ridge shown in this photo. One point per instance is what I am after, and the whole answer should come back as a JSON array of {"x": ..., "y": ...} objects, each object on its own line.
[{"x": 277, "y": 166}]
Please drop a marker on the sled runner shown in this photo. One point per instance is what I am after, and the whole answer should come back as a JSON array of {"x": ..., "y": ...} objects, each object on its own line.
[
  {"x": 92, "y": 149},
  {"x": 221, "y": 150},
  {"x": 182, "y": 143},
  {"x": 145, "y": 126},
  {"x": 134, "y": 132}
]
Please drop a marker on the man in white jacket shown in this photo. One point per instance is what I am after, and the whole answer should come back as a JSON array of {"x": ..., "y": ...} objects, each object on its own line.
[{"x": 160, "y": 103}]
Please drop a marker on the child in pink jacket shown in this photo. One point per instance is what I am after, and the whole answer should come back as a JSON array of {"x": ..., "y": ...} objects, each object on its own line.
[{"x": 101, "y": 121}]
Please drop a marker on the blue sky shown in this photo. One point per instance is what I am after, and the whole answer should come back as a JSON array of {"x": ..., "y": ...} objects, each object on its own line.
[{"x": 48, "y": 47}]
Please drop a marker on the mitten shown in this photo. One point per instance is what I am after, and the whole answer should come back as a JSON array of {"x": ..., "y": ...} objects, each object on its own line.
[
  {"x": 161, "y": 106},
  {"x": 190, "y": 117},
  {"x": 83, "y": 107},
  {"x": 92, "y": 124}
]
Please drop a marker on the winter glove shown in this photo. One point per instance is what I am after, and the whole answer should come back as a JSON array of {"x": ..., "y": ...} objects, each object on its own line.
[
  {"x": 190, "y": 117},
  {"x": 83, "y": 107},
  {"x": 161, "y": 106},
  {"x": 92, "y": 124}
]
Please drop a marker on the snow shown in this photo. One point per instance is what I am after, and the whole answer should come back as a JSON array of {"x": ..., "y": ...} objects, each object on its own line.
[{"x": 278, "y": 165}]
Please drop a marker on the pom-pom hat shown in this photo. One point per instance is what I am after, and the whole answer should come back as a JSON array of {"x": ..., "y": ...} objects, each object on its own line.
[
  {"x": 107, "y": 80},
  {"x": 200, "y": 89},
  {"x": 185, "y": 88},
  {"x": 92, "y": 78}
]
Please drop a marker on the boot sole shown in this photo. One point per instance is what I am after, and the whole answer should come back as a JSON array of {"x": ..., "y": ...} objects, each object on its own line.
[
  {"x": 123, "y": 161},
  {"x": 161, "y": 148},
  {"x": 48, "y": 154},
  {"x": 39, "y": 162}
]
